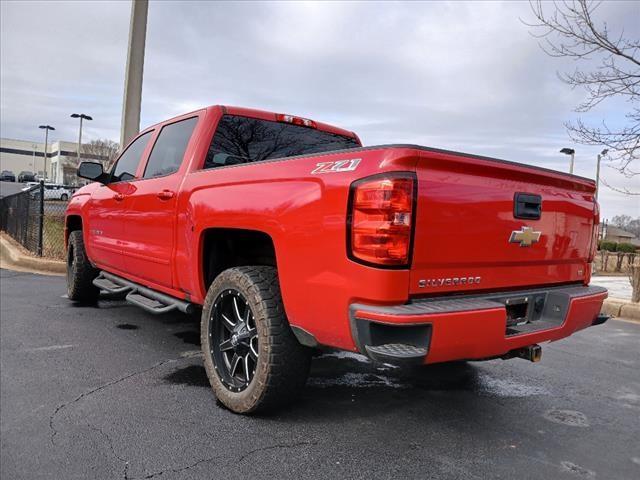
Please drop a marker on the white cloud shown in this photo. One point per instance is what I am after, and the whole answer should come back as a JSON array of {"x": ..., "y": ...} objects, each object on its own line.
[{"x": 465, "y": 76}]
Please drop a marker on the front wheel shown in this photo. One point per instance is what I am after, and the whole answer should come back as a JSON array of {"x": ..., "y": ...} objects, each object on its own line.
[
  {"x": 64, "y": 197},
  {"x": 80, "y": 272},
  {"x": 252, "y": 358}
]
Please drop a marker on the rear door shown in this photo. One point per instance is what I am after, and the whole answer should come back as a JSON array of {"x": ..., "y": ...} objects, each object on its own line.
[
  {"x": 149, "y": 218},
  {"x": 484, "y": 224}
]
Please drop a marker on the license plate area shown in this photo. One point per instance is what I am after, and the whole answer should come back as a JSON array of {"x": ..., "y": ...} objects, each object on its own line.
[
  {"x": 525, "y": 313},
  {"x": 517, "y": 311}
]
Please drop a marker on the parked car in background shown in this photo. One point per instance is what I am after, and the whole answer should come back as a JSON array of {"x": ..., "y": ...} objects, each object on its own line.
[
  {"x": 52, "y": 191},
  {"x": 56, "y": 192},
  {"x": 26, "y": 176},
  {"x": 7, "y": 176}
]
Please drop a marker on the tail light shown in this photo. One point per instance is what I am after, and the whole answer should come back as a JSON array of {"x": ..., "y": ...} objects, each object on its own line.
[
  {"x": 595, "y": 232},
  {"x": 381, "y": 218}
]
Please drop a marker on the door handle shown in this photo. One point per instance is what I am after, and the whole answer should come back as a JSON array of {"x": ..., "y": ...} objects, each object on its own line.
[
  {"x": 118, "y": 197},
  {"x": 165, "y": 194}
]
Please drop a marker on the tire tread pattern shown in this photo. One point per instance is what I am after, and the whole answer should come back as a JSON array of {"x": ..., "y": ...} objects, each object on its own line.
[
  {"x": 284, "y": 363},
  {"x": 80, "y": 287}
]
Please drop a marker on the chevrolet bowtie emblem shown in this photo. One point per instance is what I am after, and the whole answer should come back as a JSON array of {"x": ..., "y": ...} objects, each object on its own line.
[{"x": 526, "y": 236}]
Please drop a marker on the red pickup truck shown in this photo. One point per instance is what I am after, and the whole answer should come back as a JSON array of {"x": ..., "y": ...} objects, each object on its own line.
[{"x": 289, "y": 235}]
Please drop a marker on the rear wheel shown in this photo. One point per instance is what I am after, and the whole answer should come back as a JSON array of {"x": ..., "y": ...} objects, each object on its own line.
[
  {"x": 80, "y": 272},
  {"x": 253, "y": 360},
  {"x": 64, "y": 197}
]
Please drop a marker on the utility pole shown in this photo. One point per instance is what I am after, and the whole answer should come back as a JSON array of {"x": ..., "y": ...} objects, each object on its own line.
[
  {"x": 133, "y": 75},
  {"x": 81, "y": 116},
  {"x": 600, "y": 155}
]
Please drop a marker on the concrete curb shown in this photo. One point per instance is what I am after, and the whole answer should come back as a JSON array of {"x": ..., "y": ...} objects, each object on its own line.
[
  {"x": 621, "y": 308},
  {"x": 13, "y": 258}
]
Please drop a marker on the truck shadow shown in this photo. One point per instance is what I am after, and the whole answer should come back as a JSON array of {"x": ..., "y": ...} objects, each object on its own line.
[{"x": 341, "y": 383}]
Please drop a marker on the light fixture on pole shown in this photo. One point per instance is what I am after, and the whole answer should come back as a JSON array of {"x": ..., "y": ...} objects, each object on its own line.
[
  {"x": 46, "y": 142},
  {"x": 81, "y": 116},
  {"x": 572, "y": 153},
  {"x": 603, "y": 153}
]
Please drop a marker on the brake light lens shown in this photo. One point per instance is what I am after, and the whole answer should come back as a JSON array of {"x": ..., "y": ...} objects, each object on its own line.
[
  {"x": 303, "y": 122},
  {"x": 382, "y": 220}
]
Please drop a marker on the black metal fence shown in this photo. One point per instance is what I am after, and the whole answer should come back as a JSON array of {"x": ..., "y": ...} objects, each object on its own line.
[{"x": 35, "y": 219}]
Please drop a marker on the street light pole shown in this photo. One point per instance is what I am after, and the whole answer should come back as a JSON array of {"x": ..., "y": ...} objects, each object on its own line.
[
  {"x": 33, "y": 157},
  {"x": 571, "y": 152},
  {"x": 81, "y": 116},
  {"x": 600, "y": 155},
  {"x": 46, "y": 146},
  {"x": 133, "y": 76}
]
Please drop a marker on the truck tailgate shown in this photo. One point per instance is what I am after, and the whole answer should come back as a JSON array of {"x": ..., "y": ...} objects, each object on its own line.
[{"x": 467, "y": 236}]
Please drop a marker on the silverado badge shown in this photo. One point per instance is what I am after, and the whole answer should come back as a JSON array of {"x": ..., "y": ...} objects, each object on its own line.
[{"x": 526, "y": 236}]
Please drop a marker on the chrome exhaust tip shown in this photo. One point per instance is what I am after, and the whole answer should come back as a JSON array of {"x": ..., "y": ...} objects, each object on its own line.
[{"x": 533, "y": 353}]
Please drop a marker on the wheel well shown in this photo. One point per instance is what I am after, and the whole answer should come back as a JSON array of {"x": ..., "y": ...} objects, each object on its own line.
[
  {"x": 74, "y": 222},
  {"x": 229, "y": 247}
]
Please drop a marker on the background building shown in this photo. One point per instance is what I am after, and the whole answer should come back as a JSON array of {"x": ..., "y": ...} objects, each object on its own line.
[
  {"x": 618, "y": 235},
  {"x": 62, "y": 163}
]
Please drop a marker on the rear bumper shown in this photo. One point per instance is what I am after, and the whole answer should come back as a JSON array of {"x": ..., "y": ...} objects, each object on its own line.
[{"x": 475, "y": 327}]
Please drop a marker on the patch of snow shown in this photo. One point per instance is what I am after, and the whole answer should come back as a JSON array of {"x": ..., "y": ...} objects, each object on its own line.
[
  {"x": 344, "y": 354},
  {"x": 508, "y": 388},
  {"x": 48, "y": 348},
  {"x": 355, "y": 380}
]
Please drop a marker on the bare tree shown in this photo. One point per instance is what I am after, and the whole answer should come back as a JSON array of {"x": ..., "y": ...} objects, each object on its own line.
[
  {"x": 634, "y": 279},
  {"x": 626, "y": 222},
  {"x": 101, "y": 150},
  {"x": 609, "y": 66}
]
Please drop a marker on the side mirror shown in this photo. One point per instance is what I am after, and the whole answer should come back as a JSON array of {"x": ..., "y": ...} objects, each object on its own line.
[{"x": 92, "y": 171}]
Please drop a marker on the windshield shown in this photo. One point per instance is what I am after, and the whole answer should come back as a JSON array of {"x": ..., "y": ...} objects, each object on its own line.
[{"x": 243, "y": 140}]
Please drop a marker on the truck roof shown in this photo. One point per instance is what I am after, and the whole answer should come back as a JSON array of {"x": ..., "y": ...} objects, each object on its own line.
[
  {"x": 260, "y": 114},
  {"x": 265, "y": 115}
]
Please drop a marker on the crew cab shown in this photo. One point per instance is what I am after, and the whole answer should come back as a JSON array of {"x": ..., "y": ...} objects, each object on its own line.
[{"x": 289, "y": 235}]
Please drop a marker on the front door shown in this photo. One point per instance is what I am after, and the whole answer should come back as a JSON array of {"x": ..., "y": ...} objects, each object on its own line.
[
  {"x": 107, "y": 207},
  {"x": 104, "y": 229},
  {"x": 150, "y": 216}
]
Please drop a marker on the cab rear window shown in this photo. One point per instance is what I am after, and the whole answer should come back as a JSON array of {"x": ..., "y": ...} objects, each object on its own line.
[{"x": 243, "y": 140}]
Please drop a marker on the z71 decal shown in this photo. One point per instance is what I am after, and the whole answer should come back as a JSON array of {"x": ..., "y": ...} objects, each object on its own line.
[{"x": 336, "y": 167}]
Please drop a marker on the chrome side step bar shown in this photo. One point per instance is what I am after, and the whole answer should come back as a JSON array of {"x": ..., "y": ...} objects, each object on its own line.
[{"x": 150, "y": 300}]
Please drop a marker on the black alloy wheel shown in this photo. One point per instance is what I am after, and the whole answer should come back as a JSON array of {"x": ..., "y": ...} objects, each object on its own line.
[
  {"x": 233, "y": 340},
  {"x": 253, "y": 360}
]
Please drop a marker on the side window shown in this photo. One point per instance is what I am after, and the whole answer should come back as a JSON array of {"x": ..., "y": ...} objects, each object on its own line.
[
  {"x": 126, "y": 166},
  {"x": 168, "y": 151}
]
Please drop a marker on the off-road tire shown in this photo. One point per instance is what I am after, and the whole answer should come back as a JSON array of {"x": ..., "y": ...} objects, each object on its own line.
[
  {"x": 80, "y": 272},
  {"x": 283, "y": 363}
]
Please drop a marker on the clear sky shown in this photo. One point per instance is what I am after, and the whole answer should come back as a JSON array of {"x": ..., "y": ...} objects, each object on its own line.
[{"x": 462, "y": 76}]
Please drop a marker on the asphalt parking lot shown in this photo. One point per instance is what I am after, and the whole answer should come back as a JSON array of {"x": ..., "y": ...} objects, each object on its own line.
[
  {"x": 113, "y": 392},
  {"x": 10, "y": 188}
]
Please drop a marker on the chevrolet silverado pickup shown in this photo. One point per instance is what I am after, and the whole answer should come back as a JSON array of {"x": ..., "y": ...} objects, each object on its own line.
[{"x": 289, "y": 235}]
